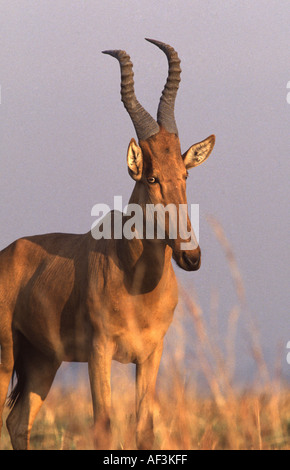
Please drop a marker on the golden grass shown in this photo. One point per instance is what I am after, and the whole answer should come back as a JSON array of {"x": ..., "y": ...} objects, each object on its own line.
[
  {"x": 222, "y": 418},
  {"x": 183, "y": 421}
]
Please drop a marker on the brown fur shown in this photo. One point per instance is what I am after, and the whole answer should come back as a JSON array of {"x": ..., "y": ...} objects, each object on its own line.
[{"x": 67, "y": 297}]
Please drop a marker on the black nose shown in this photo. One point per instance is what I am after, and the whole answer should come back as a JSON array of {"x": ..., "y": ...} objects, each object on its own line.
[{"x": 192, "y": 261}]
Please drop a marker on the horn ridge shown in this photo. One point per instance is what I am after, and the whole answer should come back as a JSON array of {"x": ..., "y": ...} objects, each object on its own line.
[
  {"x": 165, "y": 113},
  {"x": 143, "y": 122}
]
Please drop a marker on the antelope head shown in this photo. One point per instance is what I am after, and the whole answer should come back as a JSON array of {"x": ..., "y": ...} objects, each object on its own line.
[{"x": 156, "y": 163}]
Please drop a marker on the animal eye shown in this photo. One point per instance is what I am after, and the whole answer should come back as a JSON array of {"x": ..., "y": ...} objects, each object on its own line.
[{"x": 152, "y": 180}]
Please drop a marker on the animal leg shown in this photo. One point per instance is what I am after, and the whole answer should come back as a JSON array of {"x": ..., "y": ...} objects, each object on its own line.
[
  {"x": 37, "y": 375},
  {"x": 6, "y": 369},
  {"x": 100, "y": 379},
  {"x": 146, "y": 375}
]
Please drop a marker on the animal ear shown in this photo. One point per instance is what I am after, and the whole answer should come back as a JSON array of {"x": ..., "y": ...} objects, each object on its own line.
[
  {"x": 199, "y": 152},
  {"x": 135, "y": 160}
]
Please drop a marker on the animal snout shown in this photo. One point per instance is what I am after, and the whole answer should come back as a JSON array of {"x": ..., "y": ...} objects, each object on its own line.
[{"x": 192, "y": 259}]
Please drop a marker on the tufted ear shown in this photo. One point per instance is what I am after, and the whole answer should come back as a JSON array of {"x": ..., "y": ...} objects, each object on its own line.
[
  {"x": 199, "y": 152},
  {"x": 135, "y": 160}
]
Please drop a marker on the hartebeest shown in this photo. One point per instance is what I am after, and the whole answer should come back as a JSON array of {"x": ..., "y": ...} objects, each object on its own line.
[{"x": 67, "y": 297}]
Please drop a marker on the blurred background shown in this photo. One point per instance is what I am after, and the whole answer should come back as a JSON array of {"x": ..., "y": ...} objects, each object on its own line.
[{"x": 65, "y": 132}]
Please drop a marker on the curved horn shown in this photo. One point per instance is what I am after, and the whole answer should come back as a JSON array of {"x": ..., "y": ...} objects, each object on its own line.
[
  {"x": 144, "y": 124},
  {"x": 165, "y": 113}
]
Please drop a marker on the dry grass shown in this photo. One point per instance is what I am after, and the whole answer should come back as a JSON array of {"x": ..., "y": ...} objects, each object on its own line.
[
  {"x": 182, "y": 420},
  {"x": 221, "y": 418}
]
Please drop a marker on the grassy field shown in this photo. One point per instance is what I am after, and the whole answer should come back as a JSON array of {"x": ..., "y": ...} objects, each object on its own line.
[
  {"x": 182, "y": 420},
  {"x": 223, "y": 417}
]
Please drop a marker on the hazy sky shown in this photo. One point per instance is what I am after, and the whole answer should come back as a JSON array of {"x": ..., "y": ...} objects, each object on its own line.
[{"x": 64, "y": 131}]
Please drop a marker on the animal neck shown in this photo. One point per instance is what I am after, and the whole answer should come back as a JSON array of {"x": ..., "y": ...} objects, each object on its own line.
[{"x": 144, "y": 261}]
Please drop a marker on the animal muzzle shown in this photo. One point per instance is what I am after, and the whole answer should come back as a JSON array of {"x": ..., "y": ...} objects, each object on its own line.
[
  {"x": 188, "y": 260},
  {"x": 186, "y": 250}
]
